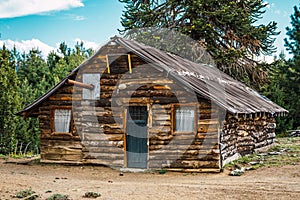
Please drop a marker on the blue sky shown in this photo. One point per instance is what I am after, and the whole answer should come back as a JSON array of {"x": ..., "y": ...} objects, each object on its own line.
[{"x": 46, "y": 23}]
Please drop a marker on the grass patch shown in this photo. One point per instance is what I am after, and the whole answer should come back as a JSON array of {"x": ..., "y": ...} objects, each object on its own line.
[
  {"x": 285, "y": 152},
  {"x": 58, "y": 197},
  {"x": 21, "y": 156},
  {"x": 4, "y": 157},
  {"x": 28, "y": 194},
  {"x": 91, "y": 195}
]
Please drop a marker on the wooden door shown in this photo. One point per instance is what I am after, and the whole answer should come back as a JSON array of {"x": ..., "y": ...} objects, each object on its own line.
[{"x": 136, "y": 137}]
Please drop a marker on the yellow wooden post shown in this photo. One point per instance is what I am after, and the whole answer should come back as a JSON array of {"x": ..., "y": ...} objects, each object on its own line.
[
  {"x": 129, "y": 64},
  {"x": 107, "y": 64}
]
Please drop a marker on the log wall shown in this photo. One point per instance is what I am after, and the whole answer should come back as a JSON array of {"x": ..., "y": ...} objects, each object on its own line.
[
  {"x": 98, "y": 126},
  {"x": 246, "y": 134},
  {"x": 58, "y": 147}
]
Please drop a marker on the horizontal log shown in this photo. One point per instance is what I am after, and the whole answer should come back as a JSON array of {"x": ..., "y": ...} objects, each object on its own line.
[
  {"x": 202, "y": 170},
  {"x": 72, "y": 157},
  {"x": 162, "y": 123},
  {"x": 94, "y": 137},
  {"x": 208, "y": 122},
  {"x": 207, "y": 136},
  {"x": 46, "y": 161},
  {"x": 196, "y": 150},
  {"x": 185, "y": 157},
  {"x": 111, "y": 149},
  {"x": 61, "y": 143},
  {"x": 184, "y": 164},
  {"x": 196, "y": 164},
  {"x": 159, "y": 107},
  {"x": 183, "y": 147},
  {"x": 60, "y": 137},
  {"x": 60, "y": 150},
  {"x": 204, "y": 128},
  {"x": 106, "y": 88},
  {"x": 111, "y": 163},
  {"x": 102, "y": 143},
  {"x": 108, "y": 82},
  {"x": 160, "y": 138},
  {"x": 65, "y": 98},
  {"x": 104, "y": 156},
  {"x": 161, "y": 117}
]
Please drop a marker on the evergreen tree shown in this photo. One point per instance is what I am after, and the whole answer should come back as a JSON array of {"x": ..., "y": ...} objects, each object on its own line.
[
  {"x": 24, "y": 78},
  {"x": 292, "y": 82},
  {"x": 34, "y": 68},
  {"x": 9, "y": 102},
  {"x": 66, "y": 60},
  {"x": 284, "y": 85},
  {"x": 225, "y": 28}
]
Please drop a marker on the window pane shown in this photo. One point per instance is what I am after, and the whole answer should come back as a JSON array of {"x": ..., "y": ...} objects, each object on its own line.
[
  {"x": 62, "y": 120},
  {"x": 93, "y": 79},
  {"x": 184, "y": 119}
]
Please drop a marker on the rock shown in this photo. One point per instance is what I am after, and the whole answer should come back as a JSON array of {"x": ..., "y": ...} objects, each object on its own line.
[
  {"x": 237, "y": 172},
  {"x": 249, "y": 168},
  {"x": 274, "y": 153},
  {"x": 253, "y": 162},
  {"x": 262, "y": 154},
  {"x": 295, "y": 133}
]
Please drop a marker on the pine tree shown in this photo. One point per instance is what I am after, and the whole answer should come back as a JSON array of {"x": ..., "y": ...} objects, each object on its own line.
[
  {"x": 9, "y": 102},
  {"x": 284, "y": 85},
  {"x": 292, "y": 82},
  {"x": 225, "y": 28}
]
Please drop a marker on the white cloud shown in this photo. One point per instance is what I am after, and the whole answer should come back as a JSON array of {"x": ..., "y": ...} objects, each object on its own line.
[
  {"x": 27, "y": 45},
  {"x": 24, "y": 46},
  {"x": 79, "y": 18},
  {"x": 75, "y": 17},
  {"x": 16, "y": 8}
]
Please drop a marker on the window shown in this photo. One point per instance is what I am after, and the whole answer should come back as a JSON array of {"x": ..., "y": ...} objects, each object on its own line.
[
  {"x": 184, "y": 118},
  {"x": 92, "y": 79},
  {"x": 62, "y": 120}
]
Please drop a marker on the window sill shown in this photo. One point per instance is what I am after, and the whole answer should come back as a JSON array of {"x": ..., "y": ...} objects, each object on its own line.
[
  {"x": 184, "y": 132},
  {"x": 62, "y": 134}
]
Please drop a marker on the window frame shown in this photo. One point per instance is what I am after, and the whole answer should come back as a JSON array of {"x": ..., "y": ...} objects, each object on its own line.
[
  {"x": 173, "y": 117},
  {"x": 53, "y": 132}
]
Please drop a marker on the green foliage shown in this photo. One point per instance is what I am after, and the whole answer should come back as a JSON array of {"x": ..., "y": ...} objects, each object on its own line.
[
  {"x": 225, "y": 28},
  {"x": 9, "y": 101},
  {"x": 58, "y": 197},
  {"x": 91, "y": 195},
  {"x": 285, "y": 152},
  {"x": 24, "y": 78},
  {"x": 293, "y": 69},
  {"x": 24, "y": 194},
  {"x": 284, "y": 85}
]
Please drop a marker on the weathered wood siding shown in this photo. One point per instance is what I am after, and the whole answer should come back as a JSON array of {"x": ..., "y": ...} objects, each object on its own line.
[
  {"x": 58, "y": 148},
  {"x": 98, "y": 134}
]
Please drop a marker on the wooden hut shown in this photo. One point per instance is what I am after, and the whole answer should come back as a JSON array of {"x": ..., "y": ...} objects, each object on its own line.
[{"x": 134, "y": 106}]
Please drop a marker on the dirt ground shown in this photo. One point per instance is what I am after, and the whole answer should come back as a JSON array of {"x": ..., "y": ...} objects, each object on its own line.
[{"x": 75, "y": 181}]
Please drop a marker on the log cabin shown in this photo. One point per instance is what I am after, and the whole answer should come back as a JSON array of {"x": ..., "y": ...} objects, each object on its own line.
[{"x": 132, "y": 106}]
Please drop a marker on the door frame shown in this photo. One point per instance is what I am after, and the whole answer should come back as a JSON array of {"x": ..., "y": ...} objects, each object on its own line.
[{"x": 125, "y": 112}]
